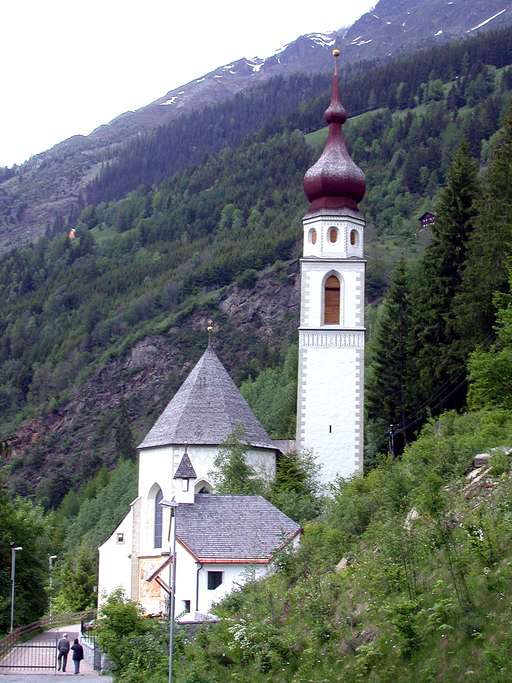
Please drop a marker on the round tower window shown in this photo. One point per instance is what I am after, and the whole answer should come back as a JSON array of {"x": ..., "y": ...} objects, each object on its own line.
[
  {"x": 312, "y": 236},
  {"x": 354, "y": 238},
  {"x": 333, "y": 235}
]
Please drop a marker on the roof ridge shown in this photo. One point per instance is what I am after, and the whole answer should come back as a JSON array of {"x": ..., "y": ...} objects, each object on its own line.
[{"x": 196, "y": 366}]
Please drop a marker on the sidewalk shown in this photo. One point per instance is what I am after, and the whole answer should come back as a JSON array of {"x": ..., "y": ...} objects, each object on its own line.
[{"x": 44, "y": 676}]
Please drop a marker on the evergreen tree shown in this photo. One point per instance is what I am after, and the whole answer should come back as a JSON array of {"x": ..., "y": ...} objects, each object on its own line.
[
  {"x": 389, "y": 394},
  {"x": 232, "y": 474},
  {"x": 490, "y": 246},
  {"x": 441, "y": 354},
  {"x": 491, "y": 371},
  {"x": 76, "y": 579}
]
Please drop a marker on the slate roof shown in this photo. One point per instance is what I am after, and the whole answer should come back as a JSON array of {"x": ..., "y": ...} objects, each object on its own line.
[
  {"x": 205, "y": 410},
  {"x": 185, "y": 469},
  {"x": 233, "y": 528}
]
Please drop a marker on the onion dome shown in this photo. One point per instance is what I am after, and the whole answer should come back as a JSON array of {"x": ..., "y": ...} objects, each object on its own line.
[{"x": 335, "y": 181}]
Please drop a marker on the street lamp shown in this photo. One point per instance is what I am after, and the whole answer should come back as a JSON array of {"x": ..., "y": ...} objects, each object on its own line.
[
  {"x": 173, "y": 506},
  {"x": 14, "y": 549},
  {"x": 50, "y": 568}
]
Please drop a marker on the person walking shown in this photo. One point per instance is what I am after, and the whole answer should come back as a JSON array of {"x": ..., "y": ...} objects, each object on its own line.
[
  {"x": 78, "y": 654},
  {"x": 62, "y": 650}
]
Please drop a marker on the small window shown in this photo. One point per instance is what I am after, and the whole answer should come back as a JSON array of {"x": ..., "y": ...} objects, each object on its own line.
[
  {"x": 186, "y": 605},
  {"x": 185, "y": 484},
  {"x": 214, "y": 580},
  {"x": 333, "y": 235},
  {"x": 158, "y": 520},
  {"x": 354, "y": 238},
  {"x": 312, "y": 236},
  {"x": 120, "y": 537}
]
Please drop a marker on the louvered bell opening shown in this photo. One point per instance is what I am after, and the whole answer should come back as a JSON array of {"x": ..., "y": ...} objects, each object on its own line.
[{"x": 332, "y": 301}]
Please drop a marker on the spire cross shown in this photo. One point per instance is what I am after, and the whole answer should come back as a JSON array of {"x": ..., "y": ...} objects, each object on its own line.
[{"x": 209, "y": 328}]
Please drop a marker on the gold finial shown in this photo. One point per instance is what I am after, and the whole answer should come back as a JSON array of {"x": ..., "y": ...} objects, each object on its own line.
[
  {"x": 336, "y": 52},
  {"x": 209, "y": 328}
]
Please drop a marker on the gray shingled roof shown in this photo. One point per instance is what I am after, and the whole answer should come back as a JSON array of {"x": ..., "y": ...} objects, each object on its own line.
[
  {"x": 219, "y": 527},
  {"x": 185, "y": 469},
  {"x": 205, "y": 410}
]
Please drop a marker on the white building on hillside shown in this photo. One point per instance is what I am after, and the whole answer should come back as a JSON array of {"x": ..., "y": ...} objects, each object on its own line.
[{"x": 221, "y": 539}]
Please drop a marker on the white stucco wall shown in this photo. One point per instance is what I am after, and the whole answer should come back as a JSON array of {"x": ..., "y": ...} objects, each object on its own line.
[
  {"x": 324, "y": 248},
  {"x": 153, "y": 600},
  {"x": 331, "y": 357},
  {"x": 233, "y": 575},
  {"x": 115, "y": 566},
  {"x": 158, "y": 465}
]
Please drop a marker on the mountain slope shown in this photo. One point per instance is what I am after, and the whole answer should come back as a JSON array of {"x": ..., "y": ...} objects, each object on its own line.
[
  {"x": 115, "y": 315},
  {"x": 47, "y": 190}
]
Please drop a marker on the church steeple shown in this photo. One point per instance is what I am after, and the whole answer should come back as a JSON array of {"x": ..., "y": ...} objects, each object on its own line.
[
  {"x": 334, "y": 181},
  {"x": 331, "y": 334}
]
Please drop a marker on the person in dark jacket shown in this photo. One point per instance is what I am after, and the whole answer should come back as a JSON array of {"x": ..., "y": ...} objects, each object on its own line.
[
  {"x": 78, "y": 654},
  {"x": 62, "y": 651}
]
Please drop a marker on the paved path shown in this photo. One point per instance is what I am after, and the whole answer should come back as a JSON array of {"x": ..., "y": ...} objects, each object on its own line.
[{"x": 39, "y": 656}]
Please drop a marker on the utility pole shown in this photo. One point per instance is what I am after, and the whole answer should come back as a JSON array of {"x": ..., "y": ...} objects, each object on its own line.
[
  {"x": 391, "y": 439},
  {"x": 14, "y": 549},
  {"x": 50, "y": 572},
  {"x": 173, "y": 506}
]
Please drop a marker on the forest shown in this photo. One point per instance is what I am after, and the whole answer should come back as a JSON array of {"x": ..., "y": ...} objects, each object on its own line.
[{"x": 438, "y": 137}]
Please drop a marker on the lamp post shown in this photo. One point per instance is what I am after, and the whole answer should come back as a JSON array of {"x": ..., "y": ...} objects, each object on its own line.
[
  {"x": 173, "y": 506},
  {"x": 50, "y": 572},
  {"x": 14, "y": 549}
]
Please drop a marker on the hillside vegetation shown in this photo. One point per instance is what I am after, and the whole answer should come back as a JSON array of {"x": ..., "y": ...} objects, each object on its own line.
[
  {"x": 145, "y": 264},
  {"x": 405, "y": 576},
  {"x": 157, "y": 263}
]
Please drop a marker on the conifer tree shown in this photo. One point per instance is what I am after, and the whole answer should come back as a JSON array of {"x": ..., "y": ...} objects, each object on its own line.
[
  {"x": 232, "y": 474},
  {"x": 490, "y": 372},
  {"x": 441, "y": 355},
  {"x": 389, "y": 394},
  {"x": 490, "y": 246}
]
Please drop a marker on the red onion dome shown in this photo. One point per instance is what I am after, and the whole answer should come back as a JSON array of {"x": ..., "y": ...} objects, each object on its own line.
[{"x": 335, "y": 181}]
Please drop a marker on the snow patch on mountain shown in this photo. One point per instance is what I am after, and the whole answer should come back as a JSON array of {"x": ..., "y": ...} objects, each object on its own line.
[
  {"x": 323, "y": 39},
  {"x": 486, "y": 21}
]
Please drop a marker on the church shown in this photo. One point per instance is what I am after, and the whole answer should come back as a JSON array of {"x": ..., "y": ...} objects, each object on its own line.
[{"x": 224, "y": 540}]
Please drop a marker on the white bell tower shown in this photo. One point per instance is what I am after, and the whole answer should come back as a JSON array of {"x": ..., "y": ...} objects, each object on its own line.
[{"x": 332, "y": 333}]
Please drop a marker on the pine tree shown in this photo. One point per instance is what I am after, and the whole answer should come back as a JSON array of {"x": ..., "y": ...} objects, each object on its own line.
[
  {"x": 389, "y": 394},
  {"x": 491, "y": 371},
  {"x": 441, "y": 354},
  {"x": 490, "y": 246}
]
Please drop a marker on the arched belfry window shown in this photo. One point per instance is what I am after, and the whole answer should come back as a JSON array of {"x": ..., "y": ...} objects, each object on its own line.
[
  {"x": 158, "y": 519},
  {"x": 354, "y": 238},
  {"x": 332, "y": 301},
  {"x": 333, "y": 235},
  {"x": 312, "y": 236}
]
